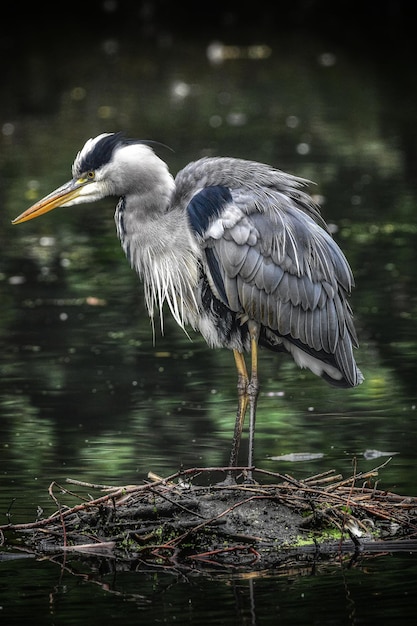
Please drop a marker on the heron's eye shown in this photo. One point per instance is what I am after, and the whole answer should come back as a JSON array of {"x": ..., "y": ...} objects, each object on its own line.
[{"x": 91, "y": 175}]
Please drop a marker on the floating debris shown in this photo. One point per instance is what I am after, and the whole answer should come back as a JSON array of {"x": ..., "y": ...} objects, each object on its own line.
[
  {"x": 296, "y": 457},
  {"x": 376, "y": 454}
]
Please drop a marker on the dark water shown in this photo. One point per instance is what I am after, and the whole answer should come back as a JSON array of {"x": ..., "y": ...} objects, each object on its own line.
[
  {"x": 85, "y": 392},
  {"x": 343, "y": 596}
]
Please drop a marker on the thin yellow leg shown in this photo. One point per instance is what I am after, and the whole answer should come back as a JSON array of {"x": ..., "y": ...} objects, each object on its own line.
[
  {"x": 243, "y": 399},
  {"x": 253, "y": 392}
]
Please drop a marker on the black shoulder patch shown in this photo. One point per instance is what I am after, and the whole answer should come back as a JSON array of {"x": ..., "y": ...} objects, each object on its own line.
[{"x": 206, "y": 205}]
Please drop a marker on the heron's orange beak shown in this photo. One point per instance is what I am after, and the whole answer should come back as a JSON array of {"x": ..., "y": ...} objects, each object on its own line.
[{"x": 59, "y": 197}]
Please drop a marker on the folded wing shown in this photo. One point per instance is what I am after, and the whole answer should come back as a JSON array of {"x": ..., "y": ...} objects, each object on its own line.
[{"x": 268, "y": 260}]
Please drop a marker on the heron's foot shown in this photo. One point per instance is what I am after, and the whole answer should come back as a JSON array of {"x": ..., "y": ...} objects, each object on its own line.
[
  {"x": 249, "y": 479},
  {"x": 229, "y": 481}
]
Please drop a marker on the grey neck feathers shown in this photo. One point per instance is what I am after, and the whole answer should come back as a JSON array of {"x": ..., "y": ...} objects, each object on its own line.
[{"x": 159, "y": 245}]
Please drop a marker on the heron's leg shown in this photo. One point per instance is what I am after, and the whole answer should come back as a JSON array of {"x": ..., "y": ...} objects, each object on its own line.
[
  {"x": 243, "y": 398},
  {"x": 253, "y": 392}
]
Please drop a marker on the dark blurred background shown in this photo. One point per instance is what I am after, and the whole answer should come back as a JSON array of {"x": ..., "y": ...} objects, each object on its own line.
[
  {"x": 384, "y": 31},
  {"x": 38, "y": 40},
  {"x": 381, "y": 27},
  {"x": 326, "y": 90}
]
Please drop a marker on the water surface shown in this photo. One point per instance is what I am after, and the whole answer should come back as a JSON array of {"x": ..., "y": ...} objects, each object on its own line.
[{"x": 87, "y": 392}]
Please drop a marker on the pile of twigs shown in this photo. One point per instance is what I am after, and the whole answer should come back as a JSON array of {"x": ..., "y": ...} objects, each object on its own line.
[{"x": 167, "y": 520}]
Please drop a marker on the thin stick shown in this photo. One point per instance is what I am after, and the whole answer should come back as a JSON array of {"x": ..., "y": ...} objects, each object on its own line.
[{"x": 64, "y": 530}]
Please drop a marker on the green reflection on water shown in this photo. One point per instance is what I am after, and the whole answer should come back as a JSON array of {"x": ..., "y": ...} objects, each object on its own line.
[{"x": 84, "y": 389}]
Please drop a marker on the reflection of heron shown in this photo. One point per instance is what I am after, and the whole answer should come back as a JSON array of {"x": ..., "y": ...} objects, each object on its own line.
[{"x": 235, "y": 248}]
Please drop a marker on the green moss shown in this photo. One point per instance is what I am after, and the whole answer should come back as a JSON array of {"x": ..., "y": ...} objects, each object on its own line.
[{"x": 313, "y": 538}]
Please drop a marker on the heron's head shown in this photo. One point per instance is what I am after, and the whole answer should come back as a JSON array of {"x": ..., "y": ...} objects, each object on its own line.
[{"x": 108, "y": 165}]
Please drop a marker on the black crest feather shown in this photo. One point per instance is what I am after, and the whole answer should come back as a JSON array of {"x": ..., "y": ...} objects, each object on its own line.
[{"x": 100, "y": 154}]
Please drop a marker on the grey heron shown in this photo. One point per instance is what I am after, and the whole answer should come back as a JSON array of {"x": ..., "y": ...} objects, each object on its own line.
[{"x": 237, "y": 249}]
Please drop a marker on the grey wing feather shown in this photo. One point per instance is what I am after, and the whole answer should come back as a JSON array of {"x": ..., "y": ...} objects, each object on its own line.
[
  {"x": 234, "y": 256},
  {"x": 278, "y": 263},
  {"x": 293, "y": 279},
  {"x": 270, "y": 276}
]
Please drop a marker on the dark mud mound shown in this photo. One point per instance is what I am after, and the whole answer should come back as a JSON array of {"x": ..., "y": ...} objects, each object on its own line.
[{"x": 175, "y": 522}]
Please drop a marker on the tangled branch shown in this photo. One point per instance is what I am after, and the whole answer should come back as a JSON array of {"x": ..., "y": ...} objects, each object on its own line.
[{"x": 167, "y": 520}]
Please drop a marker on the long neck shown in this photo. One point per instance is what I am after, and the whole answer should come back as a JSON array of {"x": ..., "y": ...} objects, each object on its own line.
[{"x": 157, "y": 241}]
